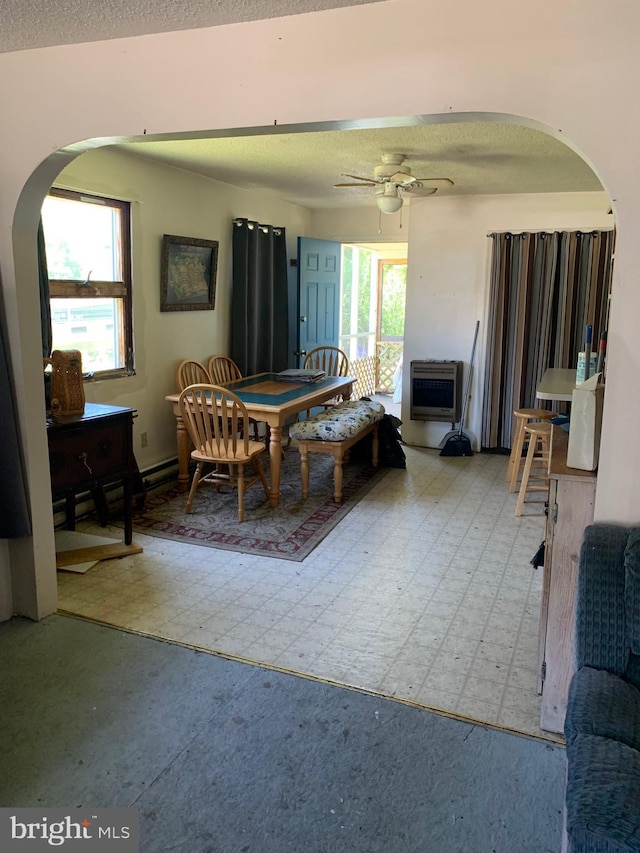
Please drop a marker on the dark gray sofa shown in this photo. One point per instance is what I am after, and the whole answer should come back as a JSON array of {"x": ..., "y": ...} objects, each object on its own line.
[{"x": 602, "y": 726}]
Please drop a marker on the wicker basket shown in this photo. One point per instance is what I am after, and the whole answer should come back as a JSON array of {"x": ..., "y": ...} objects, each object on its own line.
[{"x": 67, "y": 390}]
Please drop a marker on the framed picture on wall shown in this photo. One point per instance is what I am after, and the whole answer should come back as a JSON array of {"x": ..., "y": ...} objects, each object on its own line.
[{"x": 188, "y": 274}]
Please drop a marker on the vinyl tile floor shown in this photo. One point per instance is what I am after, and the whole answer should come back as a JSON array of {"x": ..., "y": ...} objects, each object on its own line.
[{"x": 424, "y": 592}]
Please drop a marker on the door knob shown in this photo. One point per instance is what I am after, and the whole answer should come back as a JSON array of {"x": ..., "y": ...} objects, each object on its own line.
[{"x": 303, "y": 318}]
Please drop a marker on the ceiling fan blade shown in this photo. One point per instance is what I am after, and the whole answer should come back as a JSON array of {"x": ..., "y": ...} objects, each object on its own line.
[
  {"x": 445, "y": 182},
  {"x": 418, "y": 189},
  {"x": 402, "y": 178},
  {"x": 359, "y": 178},
  {"x": 361, "y": 184}
]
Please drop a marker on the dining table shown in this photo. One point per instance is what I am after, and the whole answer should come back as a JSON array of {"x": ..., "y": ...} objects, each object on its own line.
[{"x": 273, "y": 402}]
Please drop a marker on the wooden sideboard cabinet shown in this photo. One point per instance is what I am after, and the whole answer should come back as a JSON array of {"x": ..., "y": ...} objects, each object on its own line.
[
  {"x": 571, "y": 500},
  {"x": 85, "y": 453}
]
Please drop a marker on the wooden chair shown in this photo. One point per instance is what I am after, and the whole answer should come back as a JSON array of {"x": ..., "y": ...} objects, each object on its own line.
[
  {"x": 332, "y": 360},
  {"x": 223, "y": 370},
  {"x": 222, "y": 442},
  {"x": 191, "y": 372}
]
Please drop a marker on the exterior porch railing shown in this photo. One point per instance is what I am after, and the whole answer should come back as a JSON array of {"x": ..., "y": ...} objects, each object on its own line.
[
  {"x": 389, "y": 356},
  {"x": 375, "y": 373}
]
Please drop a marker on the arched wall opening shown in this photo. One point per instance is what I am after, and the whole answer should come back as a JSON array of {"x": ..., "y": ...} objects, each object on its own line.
[{"x": 34, "y": 587}]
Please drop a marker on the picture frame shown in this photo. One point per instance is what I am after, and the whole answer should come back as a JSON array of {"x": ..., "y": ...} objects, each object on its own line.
[{"x": 188, "y": 273}]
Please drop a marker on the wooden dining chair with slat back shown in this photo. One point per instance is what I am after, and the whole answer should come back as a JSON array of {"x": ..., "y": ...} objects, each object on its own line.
[
  {"x": 222, "y": 441},
  {"x": 223, "y": 370},
  {"x": 333, "y": 361},
  {"x": 191, "y": 372}
]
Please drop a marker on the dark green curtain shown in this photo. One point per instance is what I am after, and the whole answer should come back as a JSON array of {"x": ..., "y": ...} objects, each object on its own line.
[
  {"x": 45, "y": 310},
  {"x": 45, "y": 304},
  {"x": 545, "y": 288},
  {"x": 259, "y": 299},
  {"x": 14, "y": 513}
]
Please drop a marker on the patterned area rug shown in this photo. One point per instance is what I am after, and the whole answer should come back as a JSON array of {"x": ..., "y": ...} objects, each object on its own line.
[{"x": 290, "y": 531}]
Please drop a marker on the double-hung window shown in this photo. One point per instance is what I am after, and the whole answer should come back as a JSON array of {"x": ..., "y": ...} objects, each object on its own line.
[{"x": 88, "y": 248}]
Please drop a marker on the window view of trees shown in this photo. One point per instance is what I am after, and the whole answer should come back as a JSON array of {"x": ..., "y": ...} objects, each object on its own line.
[
  {"x": 358, "y": 323},
  {"x": 363, "y": 276},
  {"x": 394, "y": 287},
  {"x": 87, "y": 241},
  {"x": 372, "y": 313},
  {"x": 346, "y": 290},
  {"x": 60, "y": 264}
]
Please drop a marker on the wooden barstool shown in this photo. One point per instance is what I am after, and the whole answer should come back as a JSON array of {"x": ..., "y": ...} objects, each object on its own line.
[
  {"x": 538, "y": 435},
  {"x": 523, "y": 417}
]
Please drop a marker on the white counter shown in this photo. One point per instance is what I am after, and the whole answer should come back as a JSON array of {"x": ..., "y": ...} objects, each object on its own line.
[{"x": 557, "y": 383}]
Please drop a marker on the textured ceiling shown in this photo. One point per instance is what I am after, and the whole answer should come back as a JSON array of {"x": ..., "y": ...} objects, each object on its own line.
[
  {"x": 480, "y": 158},
  {"x": 28, "y": 24}
]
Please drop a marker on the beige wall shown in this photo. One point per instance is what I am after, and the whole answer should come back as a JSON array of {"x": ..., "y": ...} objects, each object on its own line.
[
  {"x": 363, "y": 225},
  {"x": 166, "y": 200},
  {"x": 447, "y": 274},
  {"x": 572, "y": 70}
]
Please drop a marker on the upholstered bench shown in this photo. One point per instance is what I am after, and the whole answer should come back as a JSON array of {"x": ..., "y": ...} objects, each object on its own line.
[{"x": 334, "y": 431}]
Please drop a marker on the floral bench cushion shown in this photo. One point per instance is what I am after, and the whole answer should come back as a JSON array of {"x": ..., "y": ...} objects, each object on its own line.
[{"x": 339, "y": 422}]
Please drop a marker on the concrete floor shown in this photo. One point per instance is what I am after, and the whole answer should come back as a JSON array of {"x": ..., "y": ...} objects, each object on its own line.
[{"x": 219, "y": 756}]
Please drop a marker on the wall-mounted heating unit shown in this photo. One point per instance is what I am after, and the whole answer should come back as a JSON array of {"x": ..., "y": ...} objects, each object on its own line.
[{"x": 436, "y": 390}]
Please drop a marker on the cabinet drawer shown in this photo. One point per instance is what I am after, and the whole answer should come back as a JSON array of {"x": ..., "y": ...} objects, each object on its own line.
[{"x": 84, "y": 453}]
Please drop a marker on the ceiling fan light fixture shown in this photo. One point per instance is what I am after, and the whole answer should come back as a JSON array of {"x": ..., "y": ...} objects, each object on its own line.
[
  {"x": 389, "y": 201},
  {"x": 389, "y": 204}
]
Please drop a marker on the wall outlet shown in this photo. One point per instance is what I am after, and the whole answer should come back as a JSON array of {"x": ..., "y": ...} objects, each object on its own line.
[{"x": 143, "y": 439}]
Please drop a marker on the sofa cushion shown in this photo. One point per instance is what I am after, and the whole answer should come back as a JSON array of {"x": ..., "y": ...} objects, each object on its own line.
[
  {"x": 601, "y": 633},
  {"x": 632, "y": 590},
  {"x": 603, "y": 704},
  {"x": 632, "y": 673},
  {"x": 603, "y": 793}
]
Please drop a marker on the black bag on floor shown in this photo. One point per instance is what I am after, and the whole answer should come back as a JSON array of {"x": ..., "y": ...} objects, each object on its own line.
[{"x": 390, "y": 452}]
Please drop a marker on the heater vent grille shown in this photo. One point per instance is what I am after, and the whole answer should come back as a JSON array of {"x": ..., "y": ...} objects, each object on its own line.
[{"x": 436, "y": 390}]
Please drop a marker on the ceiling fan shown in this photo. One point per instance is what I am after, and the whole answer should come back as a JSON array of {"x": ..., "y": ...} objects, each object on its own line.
[{"x": 391, "y": 178}]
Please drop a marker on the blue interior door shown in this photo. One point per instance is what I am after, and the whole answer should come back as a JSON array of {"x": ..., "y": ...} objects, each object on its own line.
[{"x": 318, "y": 294}]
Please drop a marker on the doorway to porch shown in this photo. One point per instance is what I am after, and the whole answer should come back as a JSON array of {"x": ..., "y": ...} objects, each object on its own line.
[{"x": 373, "y": 291}]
